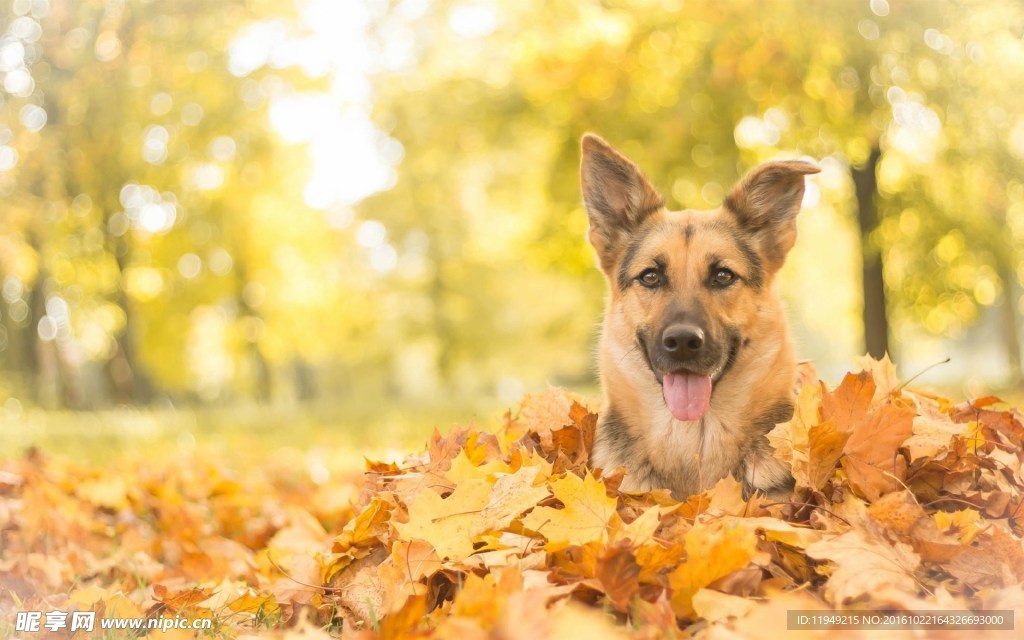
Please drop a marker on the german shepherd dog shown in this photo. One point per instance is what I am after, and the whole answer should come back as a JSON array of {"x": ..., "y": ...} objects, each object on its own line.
[{"x": 695, "y": 357}]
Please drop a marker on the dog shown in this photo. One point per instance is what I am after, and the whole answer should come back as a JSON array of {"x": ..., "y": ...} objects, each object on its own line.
[{"x": 695, "y": 357}]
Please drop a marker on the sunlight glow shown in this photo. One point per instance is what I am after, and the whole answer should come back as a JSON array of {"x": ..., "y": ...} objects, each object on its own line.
[{"x": 352, "y": 157}]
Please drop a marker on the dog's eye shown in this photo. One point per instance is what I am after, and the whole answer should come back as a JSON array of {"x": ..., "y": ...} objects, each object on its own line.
[
  {"x": 650, "y": 278},
  {"x": 722, "y": 277}
]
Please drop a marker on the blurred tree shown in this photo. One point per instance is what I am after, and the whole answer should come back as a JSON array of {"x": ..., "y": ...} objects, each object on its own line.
[
  {"x": 876, "y": 88},
  {"x": 188, "y": 191},
  {"x": 138, "y": 157}
]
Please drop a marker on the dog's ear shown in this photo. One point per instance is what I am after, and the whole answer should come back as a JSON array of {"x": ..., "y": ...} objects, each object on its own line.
[
  {"x": 616, "y": 194},
  {"x": 766, "y": 202}
]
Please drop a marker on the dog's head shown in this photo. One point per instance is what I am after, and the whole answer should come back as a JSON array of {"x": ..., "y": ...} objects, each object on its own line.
[{"x": 689, "y": 289}]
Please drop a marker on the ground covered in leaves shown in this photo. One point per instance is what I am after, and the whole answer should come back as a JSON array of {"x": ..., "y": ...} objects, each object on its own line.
[{"x": 904, "y": 501}]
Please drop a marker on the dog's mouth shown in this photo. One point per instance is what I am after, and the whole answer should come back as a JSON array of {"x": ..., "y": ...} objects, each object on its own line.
[{"x": 687, "y": 393}]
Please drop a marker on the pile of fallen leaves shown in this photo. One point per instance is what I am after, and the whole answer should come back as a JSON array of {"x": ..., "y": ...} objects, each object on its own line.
[{"x": 904, "y": 501}]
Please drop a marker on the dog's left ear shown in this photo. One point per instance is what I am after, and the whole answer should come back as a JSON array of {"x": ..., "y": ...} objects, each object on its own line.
[{"x": 766, "y": 202}]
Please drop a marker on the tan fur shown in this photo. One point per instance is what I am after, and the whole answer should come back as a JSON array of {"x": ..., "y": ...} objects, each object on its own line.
[{"x": 636, "y": 430}]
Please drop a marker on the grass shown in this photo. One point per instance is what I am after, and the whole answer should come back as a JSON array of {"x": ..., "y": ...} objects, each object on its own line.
[{"x": 340, "y": 434}]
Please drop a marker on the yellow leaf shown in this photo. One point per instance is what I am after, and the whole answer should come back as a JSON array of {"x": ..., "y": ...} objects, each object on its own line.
[
  {"x": 417, "y": 558},
  {"x": 727, "y": 497},
  {"x": 966, "y": 524},
  {"x": 365, "y": 529},
  {"x": 465, "y": 469},
  {"x": 791, "y": 440},
  {"x": 448, "y": 524},
  {"x": 577, "y": 621},
  {"x": 641, "y": 530},
  {"x": 585, "y": 515},
  {"x": 713, "y": 551},
  {"x": 110, "y": 492},
  {"x": 87, "y": 596},
  {"x": 118, "y": 606},
  {"x": 253, "y": 603},
  {"x": 780, "y": 531},
  {"x": 883, "y": 372},
  {"x": 715, "y": 605},
  {"x": 512, "y": 495}
]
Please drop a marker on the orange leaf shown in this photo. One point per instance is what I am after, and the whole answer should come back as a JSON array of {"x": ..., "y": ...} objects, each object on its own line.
[
  {"x": 871, "y": 460},
  {"x": 848, "y": 405}
]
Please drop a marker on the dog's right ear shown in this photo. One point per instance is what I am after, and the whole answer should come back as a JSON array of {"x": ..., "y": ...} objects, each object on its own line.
[{"x": 616, "y": 194}]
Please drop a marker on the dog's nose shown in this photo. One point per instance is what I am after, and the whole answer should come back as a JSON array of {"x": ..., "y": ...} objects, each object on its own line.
[{"x": 683, "y": 339}]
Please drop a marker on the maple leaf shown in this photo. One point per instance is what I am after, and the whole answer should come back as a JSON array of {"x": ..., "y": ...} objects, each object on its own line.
[
  {"x": 871, "y": 461},
  {"x": 812, "y": 447},
  {"x": 784, "y": 532},
  {"x": 407, "y": 562},
  {"x": 619, "y": 574},
  {"x": 713, "y": 551},
  {"x": 966, "y": 524},
  {"x": 546, "y": 413},
  {"x": 448, "y": 524},
  {"x": 641, "y": 530},
  {"x": 826, "y": 443},
  {"x": 512, "y": 495},
  {"x": 930, "y": 436},
  {"x": 883, "y": 373},
  {"x": 463, "y": 468},
  {"x": 714, "y": 605},
  {"x": 848, "y": 405},
  {"x": 862, "y": 564},
  {"x": 584, "y": 517}
]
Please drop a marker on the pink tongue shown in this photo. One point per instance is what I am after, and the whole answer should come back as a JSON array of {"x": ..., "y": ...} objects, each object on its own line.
[{"x": 687, "y": 394}]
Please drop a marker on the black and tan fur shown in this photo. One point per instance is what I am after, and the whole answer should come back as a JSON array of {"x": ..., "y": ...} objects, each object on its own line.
[{"x": 712, "y": 273}]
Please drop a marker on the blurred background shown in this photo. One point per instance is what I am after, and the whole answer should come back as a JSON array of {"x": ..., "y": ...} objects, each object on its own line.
[{"x": 362, "y": 217}]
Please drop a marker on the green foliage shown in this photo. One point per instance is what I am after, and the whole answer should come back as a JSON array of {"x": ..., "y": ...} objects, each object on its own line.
[{"x": 159, "y": 236}]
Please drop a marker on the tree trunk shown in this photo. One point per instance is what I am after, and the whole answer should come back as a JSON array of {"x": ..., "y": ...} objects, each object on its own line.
[
  {"x": 129, "y": 381},
  {"x": 1011, "y": 321},
  {"x": 876, "y": 324}
]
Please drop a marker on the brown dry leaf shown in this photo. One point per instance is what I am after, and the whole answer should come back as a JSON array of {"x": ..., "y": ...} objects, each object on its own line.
[
  {"x": 149, "y": 538},
  {"x": 862, "y": 564},
  {"x": 932, "y": 436},
  {"x": 825, "y": 447},
  {"x": 897, "y": 511},
  {"x": 359, "y": 591},
  {"x": 900, "y": 513},
  {"x": 871, "y": 461},
  {"x": 546, "y": 412},
  {"x": 585, "y": 516},
  {"x": 618, "y": 573},
  {"x": 848, "y": 405}
]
